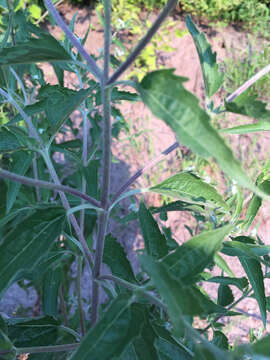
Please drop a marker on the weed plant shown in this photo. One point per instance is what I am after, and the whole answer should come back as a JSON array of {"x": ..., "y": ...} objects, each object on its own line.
[{"x": 55, "y": 214}]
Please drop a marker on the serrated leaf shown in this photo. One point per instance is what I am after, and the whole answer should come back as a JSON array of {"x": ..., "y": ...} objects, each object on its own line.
[
  {"x": 108, "y": 337},
  {"x": 193, "y": 256},
  {"x": 58, "y": 103},
  {"x": 249, "y": 106},
  {"x": 222, "y": 264},
  {"x": 213, "y": 79},
  {"x": 23, "y": 247},
  {"x": 225, "y": 295},
  {"x": 248, "y": 128},
  {"x": 20, "y": 165},
  {"x": 45, "y": 48},
  {"x": 50, "y": 290},
  {"x": 241, "y": 283},
  {"x": 189, "y": 187},
  {"x": 164, "y": 94},
  {"x": 155, "y": 242},
  {"x": 254, "y": 273},
  {"x": 116, "y": 258}
]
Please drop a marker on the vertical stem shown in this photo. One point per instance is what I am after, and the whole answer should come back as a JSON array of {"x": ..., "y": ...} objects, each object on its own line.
[
  {"x": 35, "y": 171},
  {"x": 80, "y": 305},
  {"x": 63, "y": 306},
  {"x": 103, "y": 217}
]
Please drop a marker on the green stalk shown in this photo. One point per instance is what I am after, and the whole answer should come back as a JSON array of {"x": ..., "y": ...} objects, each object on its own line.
[
  {"x": 106, "y": 171},
  {"x": 79, "y": 289}
]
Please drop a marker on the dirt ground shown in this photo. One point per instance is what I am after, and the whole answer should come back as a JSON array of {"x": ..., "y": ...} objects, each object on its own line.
[{"x": 156, "y": 137}]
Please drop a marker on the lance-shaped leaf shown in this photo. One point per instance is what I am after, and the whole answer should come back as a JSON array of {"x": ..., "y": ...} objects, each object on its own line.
[
  {"x": 189, "y": 187},
  {"x": 193, "y": 256},
  {"x": 116, "y": 258},
  {"x": 248, "y": 128},
  {"x": 144, "y": 344},
  {"x": 45, "y": 48},
  {"x": 213, "y": 79},
  {"x": 50, "y": 289},
  {"x": 110, "y": 336},
  {"x": 249, "y": 106},
  {"x": 155, "y": 242},
  {"x": 20, "y": 165},
  {"x": 23, "y": 247},
  {"x": 241, "y": 283},
  {"x": 164, "y": 94}
]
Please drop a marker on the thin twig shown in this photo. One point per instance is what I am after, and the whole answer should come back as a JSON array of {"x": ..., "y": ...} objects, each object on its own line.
[
  {"x": 35, "y": 172},
  {"x": 248, "y": 83},
  {"x": 149, "y": 165},
  {"x": 47, "y": 185},
  {"x": 144, "y": 41},
  {"x": 106, "y": 171},
  {"x": 89, "y": 59},
  {"x": 79, "y": 290}
]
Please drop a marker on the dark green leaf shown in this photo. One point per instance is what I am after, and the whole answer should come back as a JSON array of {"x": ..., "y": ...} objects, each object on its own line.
[
  {"x": 249, "y": 106},
  {"x": 168, "y": 351},
  {"x": 155, "y": 242},
  {"x": 220, "y": 340},
  {"x": 20, "y": 165},
  {"x": 50, "y": 289},
  {"x": 237, "y": 248},
  {"x": 91, "y": 177},
  {"x": 8, "y": 141},
  {"x": 193, "y": 256},
  {"x": 254, "y": 273},
  {"x": 118, "y": 95},
  {"x": 144, "y": 345},
  {"x": 241, "y": 283},
  {"x": 248, "y": 128},
  {"x": 45, "y": 48},
  {"x": 164, "y": 94},
  {"x": 225, "y": 295},
  {"x": 108, "y": 337},
  {"x": 37, "y": 331},
  {"x": 189, "y": 187},
  {"x": 116, "y": 258},
  {"x": 213, "y": 79},
  {"x": 6, "y": 344},
  {"x": 23, "y": 247}
]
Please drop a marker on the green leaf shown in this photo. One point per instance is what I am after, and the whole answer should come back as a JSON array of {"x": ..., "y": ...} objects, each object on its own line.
[
  {"x": 164, "y": 94},
  {"x": 8, "y": 141},
  {"x": 58, "y": 103},
  {"x": 180, "y": 300},
  {"x": 50, "y": 289},
  {"x": 213, "y": 79},
  {"x": 108, "y": 337},
  {"x": 155, "y": 242},
  {"x": 189, "y": 187},
  {"x": 118, "y": 95},
  {"x": 45, "y": 48},
  {"x": 116, "y": 258},
  {"x": 20, "y": 165},
  {"x": 37, "y": 331},
  {"x": 225, "y": 295},
  {"x": 6, "y": 344},
  {"x": 254, "y": 273},
  {"x": 35, "y": 11},
  {"x": 241, "y": 283},
  {"x": 193, "y": 256},
  {"x": 220, "y": 340},
  {"x": 144, "y": 345},
  {"x": 255, "y": 203},
  {"x": 222, "y": 264},
  {"x": 237, "y": 248},
  {"x": 23, "y": 247},
  {"x": 248, "y": 128},
  {"x": 249, "y": 106},
  {"x": 168, "y": 351}
]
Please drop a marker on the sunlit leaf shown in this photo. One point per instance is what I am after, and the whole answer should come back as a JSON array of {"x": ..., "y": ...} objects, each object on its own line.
[{"x": 248, "y": 128}]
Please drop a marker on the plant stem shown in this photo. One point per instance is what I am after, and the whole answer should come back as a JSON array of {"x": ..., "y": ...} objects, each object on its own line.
[
  {"x": 149, "y": 165},
  {"x": 144, "y": 41},
  {"x": 63, "y": 306},
  {"x": 35, "y": 171},
  {"x": 80, "y": 305},
  {"x": 89, "y": 59},
  {"x": 106, "y": 171},
  {"x": 248, "y": 83},
  {"x": 47, "y": 185}
]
